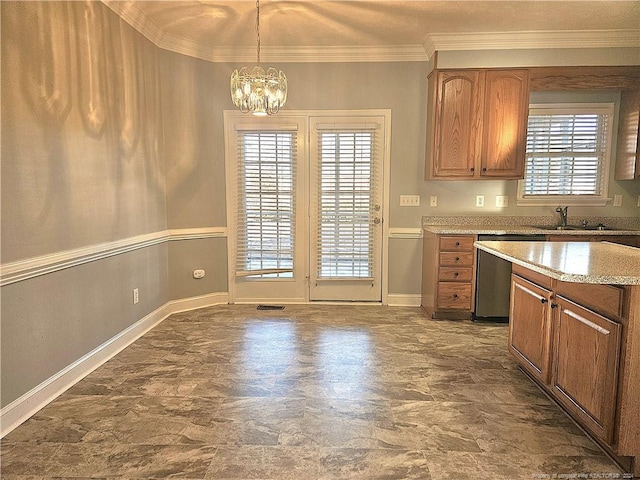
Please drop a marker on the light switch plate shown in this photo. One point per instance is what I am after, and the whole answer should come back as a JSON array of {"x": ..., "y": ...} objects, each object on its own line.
[
  {"x": 409, "y": 200},
  {"x": 617, "y": 200}
]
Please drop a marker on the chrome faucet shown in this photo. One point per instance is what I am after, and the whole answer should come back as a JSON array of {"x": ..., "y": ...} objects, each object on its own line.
[{"x": 563, "y": 215}]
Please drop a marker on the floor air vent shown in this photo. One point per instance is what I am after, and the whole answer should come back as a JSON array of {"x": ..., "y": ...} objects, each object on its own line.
[{"x": 270, "y": 307}]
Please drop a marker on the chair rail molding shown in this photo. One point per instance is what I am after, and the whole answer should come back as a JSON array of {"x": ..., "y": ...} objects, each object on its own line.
[{"x": 33, "y": 267}]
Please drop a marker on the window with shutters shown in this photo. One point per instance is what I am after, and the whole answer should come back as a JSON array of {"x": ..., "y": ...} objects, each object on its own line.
[
  {"x": 567, "y": 155},
  {"x": 266, "y": 204}
]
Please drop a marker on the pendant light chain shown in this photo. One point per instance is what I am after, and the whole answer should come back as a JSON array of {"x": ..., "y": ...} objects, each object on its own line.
[{"x": 258, "y": 26}]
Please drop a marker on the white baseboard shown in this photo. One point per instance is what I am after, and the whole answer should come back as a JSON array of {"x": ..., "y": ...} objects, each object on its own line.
[
  {"x": 38, "y": 397},
  {"x": 404, "y": 300},
  {"x": 186, "y": 304}
]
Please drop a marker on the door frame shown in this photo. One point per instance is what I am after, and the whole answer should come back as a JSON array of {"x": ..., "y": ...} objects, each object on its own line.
[{"x": 232, "y": 115}]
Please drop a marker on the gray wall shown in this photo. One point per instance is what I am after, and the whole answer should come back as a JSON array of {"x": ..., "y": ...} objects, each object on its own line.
[
  {"x": 81, "y": 166},
  {"x": 130, "y": 141}
]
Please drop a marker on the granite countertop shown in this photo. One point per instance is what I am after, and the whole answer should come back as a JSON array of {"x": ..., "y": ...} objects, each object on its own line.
[
  {"x": 578, "y": 262},
  {"x": 519, "y": 230},
  {"x": 526, "y": 225}
]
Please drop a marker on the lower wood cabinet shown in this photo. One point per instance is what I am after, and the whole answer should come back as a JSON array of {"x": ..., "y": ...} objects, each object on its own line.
[
  {"x": 448, "y": 275},
  {"x": 586, "y": 354},
  {"x": 572, "y": 350},
  {"x": 631, "y": 240},
  {"x": 530, "y": 327}
]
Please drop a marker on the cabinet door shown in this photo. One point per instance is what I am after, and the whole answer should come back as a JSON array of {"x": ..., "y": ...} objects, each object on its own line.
[
  {"x": 506, "y": 108},
  {"x": 585, "y": 366},
  {"x": 530, "y": 326},
  {"x": 457, "y": 124}
]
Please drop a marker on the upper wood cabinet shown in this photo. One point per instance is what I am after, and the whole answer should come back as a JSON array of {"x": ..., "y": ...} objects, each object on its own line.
[
  {"x": 628, "y": 154},
  {"x": 477, "y": 124}
]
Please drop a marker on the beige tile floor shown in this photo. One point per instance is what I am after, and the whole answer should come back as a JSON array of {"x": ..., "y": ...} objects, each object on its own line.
[{"x": 311, "y": 392}]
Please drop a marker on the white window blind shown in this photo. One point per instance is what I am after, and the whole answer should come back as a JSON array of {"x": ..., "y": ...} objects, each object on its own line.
[
  {"x": 567, "y": 151},
  {"x": 346, "y": 199},
  {"x": 266, "y": 203}
]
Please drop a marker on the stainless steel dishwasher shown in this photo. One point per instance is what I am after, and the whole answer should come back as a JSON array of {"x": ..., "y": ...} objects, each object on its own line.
[{"x": 493, "y": 280}]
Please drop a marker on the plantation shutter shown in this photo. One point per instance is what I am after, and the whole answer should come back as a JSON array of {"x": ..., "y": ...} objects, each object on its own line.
[
  {"x": 346, "y": 212},
  {"x": 266, "y": 203},
  {"x": 567, "y": 150}
]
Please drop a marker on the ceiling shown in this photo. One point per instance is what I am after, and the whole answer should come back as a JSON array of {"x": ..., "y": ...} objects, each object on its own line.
[{"x": 296, "y": 29}]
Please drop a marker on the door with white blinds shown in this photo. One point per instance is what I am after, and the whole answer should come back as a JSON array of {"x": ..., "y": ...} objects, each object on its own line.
[
  {"x": 346, "y": 158},
  {"x": 267, "y": 224}
]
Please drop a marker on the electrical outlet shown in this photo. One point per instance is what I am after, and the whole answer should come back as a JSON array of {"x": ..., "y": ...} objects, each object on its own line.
[
  {"x": 135, "y": 296},
  {"x": 433, "y": 201},
  {"x": 199, "y": 273},
  {"x": 617, "y": 200},
  {"x": 502, "y": 201},
  {"x": 479, "y": 200},
  {"x": 409, "y": 200}
]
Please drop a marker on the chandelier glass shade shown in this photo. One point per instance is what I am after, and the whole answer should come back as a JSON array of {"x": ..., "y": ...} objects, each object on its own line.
[
  {"x": 256, "y": 91},
  {"x": 259, "y": 92}
]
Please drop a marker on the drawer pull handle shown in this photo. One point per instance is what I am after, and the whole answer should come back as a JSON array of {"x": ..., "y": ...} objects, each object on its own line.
[
  {"x": 456, "y": 274},
  {"x": 457, "y": 244},
  {"x": 457, "y": 259},
  {"x": 455, "y": 295}
]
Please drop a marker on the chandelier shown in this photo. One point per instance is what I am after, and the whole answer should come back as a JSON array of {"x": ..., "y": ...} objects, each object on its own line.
[{"x": 256, "y": 91}]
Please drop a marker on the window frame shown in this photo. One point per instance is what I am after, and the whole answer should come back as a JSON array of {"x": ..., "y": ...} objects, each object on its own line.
[{"x": 607, "y": 108}]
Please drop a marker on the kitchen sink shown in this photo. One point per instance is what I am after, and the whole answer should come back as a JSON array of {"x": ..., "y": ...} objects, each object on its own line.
[
  {"x": 557, "y": 227},
  {"x": 573, "y": 227}
]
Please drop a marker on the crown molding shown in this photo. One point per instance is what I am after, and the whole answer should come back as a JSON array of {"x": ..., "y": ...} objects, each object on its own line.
[
  {"x": 134, "y": 16},
  {"x": 396, "y": 53},
  {"x": 553, "y": 39}
]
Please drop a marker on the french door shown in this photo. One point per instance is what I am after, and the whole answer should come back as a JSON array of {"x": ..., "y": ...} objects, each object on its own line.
[
  {"x": 346, "y": 209},
  {"x": 305, "y": 207}
]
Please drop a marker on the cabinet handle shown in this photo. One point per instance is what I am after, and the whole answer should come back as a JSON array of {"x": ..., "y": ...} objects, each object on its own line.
[
  {"x": 457, "y": 259},
  {"x": 554, "y": 305},
  {"x": 484, "y": 169},
  {"x": 472, "y": 169},
  {"x": 456, "y": 274},
  {"x": 457, "y": 244},
  {"x": 455, "y": 295},
  {"x": 543, "y": 300}
]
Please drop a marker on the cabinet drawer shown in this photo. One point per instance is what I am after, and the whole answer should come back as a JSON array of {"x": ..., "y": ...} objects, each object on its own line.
[
  {"x": 604, "y": 299},
  {"x": 454, "y": 295},
  {"x": 454, "y": 244},
  {"x": 453, "y": 274},
  {"x": 456, "y": 258}
]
